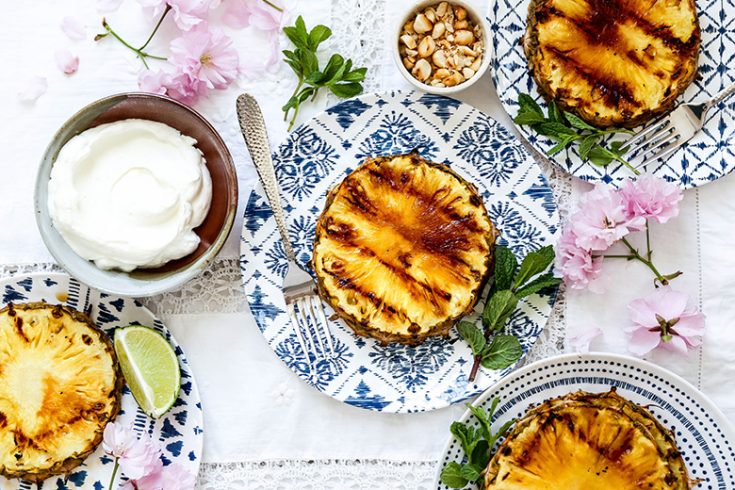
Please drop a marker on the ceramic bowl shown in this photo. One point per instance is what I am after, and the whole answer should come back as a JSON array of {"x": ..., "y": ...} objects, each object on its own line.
[
  {"x": 474, "y": 15},
  {"x": 213, "y": 231}
]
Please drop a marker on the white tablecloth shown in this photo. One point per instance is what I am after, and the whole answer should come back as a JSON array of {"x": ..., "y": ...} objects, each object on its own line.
[{"x": 263, "y": 426}]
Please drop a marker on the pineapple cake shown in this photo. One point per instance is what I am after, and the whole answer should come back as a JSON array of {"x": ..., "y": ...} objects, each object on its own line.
[
  {"x": 613, "y": 62},
  {"x": 403, "y": 249},
  {"x": 588, "y": 441},
  {"x": 59, "y": 387}
]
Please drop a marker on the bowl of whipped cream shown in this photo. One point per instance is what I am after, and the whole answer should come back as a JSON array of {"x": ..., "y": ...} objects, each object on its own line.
[{"x": 136, "y": 194}]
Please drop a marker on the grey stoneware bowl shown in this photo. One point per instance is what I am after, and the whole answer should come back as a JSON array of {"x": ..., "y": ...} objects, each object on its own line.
[{"x": 213, "y": 231}]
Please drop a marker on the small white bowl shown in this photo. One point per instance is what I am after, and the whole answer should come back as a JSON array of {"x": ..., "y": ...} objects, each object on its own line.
[{"x": 474, "y": 16}]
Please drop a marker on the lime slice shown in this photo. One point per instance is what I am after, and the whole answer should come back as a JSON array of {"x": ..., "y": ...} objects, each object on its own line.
[{"x": 150, "y": 367}]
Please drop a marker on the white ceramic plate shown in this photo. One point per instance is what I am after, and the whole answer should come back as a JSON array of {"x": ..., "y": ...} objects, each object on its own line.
[
  {"x": 707, "y": 157},
  {"x": 318, "y": 155},
  {"x": 179, "y": 432},
  {"x": 703, "y": 434}
]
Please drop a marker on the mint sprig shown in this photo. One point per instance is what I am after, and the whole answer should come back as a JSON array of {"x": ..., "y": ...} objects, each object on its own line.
[
  {"x": 566, "y": 128},
  {"x": 477, "y": 444},
  {"x": 338, "y": 76},
  {"x": 511, "y": 282}
]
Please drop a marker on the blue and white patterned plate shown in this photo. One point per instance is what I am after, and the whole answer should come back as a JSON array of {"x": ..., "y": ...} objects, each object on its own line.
[
  {"x": 179, "y": 432},
  {"x": 317, "y": 156},
  {"x": 707, "y": 157},
  {"x": 703, "y": 434}
]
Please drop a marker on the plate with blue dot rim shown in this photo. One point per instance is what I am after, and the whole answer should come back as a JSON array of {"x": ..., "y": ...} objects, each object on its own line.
[
  {"x": 705, "y": 158},
  {"x": 703, "y": 434},
  {"x": 320, "y": 154},
  {"x": 179, "y": 433}
]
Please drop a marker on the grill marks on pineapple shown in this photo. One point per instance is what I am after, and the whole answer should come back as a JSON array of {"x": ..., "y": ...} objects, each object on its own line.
[
  {"x": 600, "y": 56},
  {"x": 407, "y": 238}
]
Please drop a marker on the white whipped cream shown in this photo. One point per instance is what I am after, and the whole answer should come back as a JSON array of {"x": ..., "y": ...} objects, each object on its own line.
[{"x": 128, "y": 194}]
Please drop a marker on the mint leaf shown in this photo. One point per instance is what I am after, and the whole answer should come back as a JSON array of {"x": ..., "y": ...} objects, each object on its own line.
[
  {"x": 467, "y": 436},
  {"x": 505, "y": 267},
  {"x": 556, "y": 129},
  {"x": 528, "y": 118},
  {"x": 297, "y": 34},
  {"x": 503, "y": 351},
  {"x": 586, "y": 145},
  {"x": 471, "y": 472},
  {"x": 527, "y": 103},
  {"x": 600, "y": 156},
  {"x": 452, "y": 477},
  {"x": 534, "y": 263},
  {"x": 346, "y": 90},
  {"x": 472, "y": 336},
  {"x": 484, "y": 419},
  {"x": 498, "y": 308},
  {"x": 555, "y": 114},
  {"x": 565, "y": 141},
  {"x": 578, "y": 122},
  {"x": 542, "y": 282},
  {"x": 318, "y": 35},
  {"x": 357, "y": 75}
]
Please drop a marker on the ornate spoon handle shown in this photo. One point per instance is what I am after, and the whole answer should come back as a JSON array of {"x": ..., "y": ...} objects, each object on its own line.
[
  {"x": 724, "y": 94},
  {"x": 256, "y": 139}
]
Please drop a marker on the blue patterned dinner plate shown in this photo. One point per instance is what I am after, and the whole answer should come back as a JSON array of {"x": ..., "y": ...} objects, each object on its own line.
[
  {"x": 317, "y": 156},
  {"x": 179, "y": 432},
  {"x": 703, "y": 434},
  {"x": 707, "y": 157}
]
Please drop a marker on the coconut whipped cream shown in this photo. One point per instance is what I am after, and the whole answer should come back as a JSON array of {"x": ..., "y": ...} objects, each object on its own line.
[{"x": 129, "y": 194}]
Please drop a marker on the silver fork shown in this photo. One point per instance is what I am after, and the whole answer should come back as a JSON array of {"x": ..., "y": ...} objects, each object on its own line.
[
  {"x": 668, "y": 133},
  {"x": 302, "y": 300}
]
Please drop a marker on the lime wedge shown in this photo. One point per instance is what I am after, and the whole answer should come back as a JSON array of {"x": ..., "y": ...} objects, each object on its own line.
[{"x": 150, "y": 367}]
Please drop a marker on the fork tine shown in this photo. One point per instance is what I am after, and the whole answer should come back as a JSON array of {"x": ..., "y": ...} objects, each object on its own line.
[
  {"x": 310, "y": 301},
  {"x": 325, "y": 322},
  {"x": 635, "y": 140},
  {"x": 665, "y": 152},
  {"x": 664, "y": 141},
  {"x": 302, "y": 308},
  {"x": 299, "y": 336}
]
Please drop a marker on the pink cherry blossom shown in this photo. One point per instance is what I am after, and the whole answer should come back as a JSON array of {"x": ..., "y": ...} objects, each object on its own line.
[
  {"x": 73, "y": 28},
  {"x": 649, "y": 196},
  {"x": 581, "y": 342},
  {"x": 66, "y": 61},
  {"x": 171, "y": 477},
  {"x": 206, "y": 55},
  {"x": 602, "y": 219},
  {"x": 32, "y": 89},
  {"x": 256, "y": 13},
  {"x": 176, "y": 84},
  {"x": 667, "y": 319},
  {"x": 576, "y": 265},
  {"x": 190, "y": 13},
  {"x": 137, "y": 456}
]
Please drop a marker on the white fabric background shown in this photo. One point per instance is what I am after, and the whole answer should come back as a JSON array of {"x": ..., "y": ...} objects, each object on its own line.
[{"x": 276, "y": 431}]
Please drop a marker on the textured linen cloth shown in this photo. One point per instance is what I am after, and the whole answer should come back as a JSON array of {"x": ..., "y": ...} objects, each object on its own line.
[{"x": 255, "y": 409}]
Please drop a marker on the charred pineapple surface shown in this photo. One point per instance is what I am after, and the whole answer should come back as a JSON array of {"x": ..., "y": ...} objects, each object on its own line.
[
  {"x": 59, "y": 387},
  {"x": 613, "y": 62},
  {"x": 585, "y": 441},
  {"x": 403, "y": 248}
]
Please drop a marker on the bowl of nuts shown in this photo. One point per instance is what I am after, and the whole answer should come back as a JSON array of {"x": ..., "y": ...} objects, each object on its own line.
[{"x": 441, "y": 46}]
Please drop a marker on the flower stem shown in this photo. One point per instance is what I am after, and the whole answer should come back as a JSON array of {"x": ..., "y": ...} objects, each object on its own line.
[
  {"x": 139, "y": 52},
  {"x": 475, "y": 367},
  {"x": 663, "y": 279},
  {"x": 155, "y": 29},
  {"x": 273, "y": 5},
  {"x": 648, "y": 242},
  {"x": 114, "y": 472},
  {"x": 625, "y": 162}
]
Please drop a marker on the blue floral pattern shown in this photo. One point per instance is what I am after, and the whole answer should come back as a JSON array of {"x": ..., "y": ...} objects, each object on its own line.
[
  {"x": 392, "y": 378},
  {"x": 707, "y": 157},
  {"x": 179, "y": 432}
]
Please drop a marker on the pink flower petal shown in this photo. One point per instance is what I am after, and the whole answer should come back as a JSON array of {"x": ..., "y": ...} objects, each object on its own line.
[
  {"x": 581, "y": 342},
  {"x": 642, "y": 341},
  {"x": 676, "y": 344},
  {"x": 649, "y": 196},
  {"x": 33, "y": 88},
  {"x": 66, "y": 61},
  {"x": 73, "y": 28}
]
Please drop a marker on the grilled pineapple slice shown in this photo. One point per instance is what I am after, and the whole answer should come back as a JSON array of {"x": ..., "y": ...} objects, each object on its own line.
[
  {"x": 613, "y": 62},
  {"x": 588, "y": 441},
  {"x": 59, "y": 387},
  {"x": 403, "y": 249}
]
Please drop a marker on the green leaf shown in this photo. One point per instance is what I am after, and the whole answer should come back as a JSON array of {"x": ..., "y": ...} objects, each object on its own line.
[
  {"x": 314, "y": 78},
  {"x": 563, "y": 143},
  {"x": 615, "y": 147},
  {"x": 472, "y": 336},
  {"x": 555, "y": 129},
  {"x": 498, "y": 308},
  {"x": 318, "y": 35},
  {"x": 534, "y": 263},
  {"x": 357, "y": 75},
  {"x": 578, "y": 123},
  {"x": 586, "y": 145},
  {"x": 334, "y": 70},
  {"x": 297, "y": 34},
  {"x": 527, "y": 103},
  {"x": 482, "y": 417},
  {"x": 503, "y": 351},
  {"x": 555, "y": 114},
  {"x": 505, "y": 268},
  {"x": 346, "y": 90},
  {"x": 600, "y": 156},
  {"x": 452, "y": 476},
  {"x": 529, "y": 118},
  {"x": 542, "y": 282},
  {"x": 309, "y": 62},
  {"x": 471, "y": 472}
]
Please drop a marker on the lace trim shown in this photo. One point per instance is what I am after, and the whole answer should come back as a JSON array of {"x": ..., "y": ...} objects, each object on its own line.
[{"x": 342, "y": 474}]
